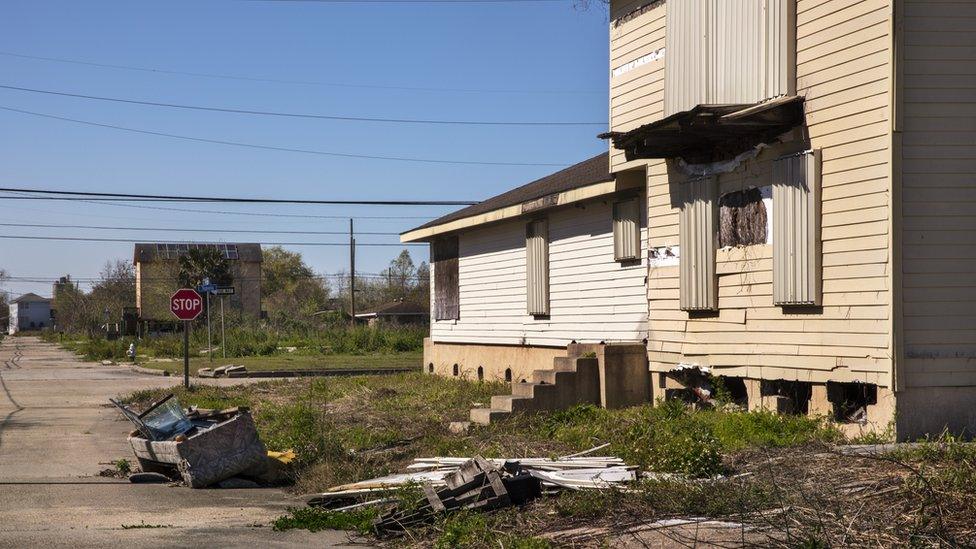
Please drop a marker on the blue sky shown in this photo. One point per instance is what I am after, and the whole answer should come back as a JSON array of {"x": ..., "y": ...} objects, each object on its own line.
[{"x": 544, "y": 61}]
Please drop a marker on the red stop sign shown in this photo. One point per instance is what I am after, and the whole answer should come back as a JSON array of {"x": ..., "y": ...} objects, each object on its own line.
[{"x": 186, "y": 304}]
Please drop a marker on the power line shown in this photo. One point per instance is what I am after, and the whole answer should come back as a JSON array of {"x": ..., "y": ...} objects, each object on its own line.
[
  {"x": 280, "y": 149},
  {"x": 245, "y": 200},
  {"x": 250, "y": 214},
  {"x": 181, "y": 230},
  {"x": 291, "y": 82},
  {"x": 136, "y": 241},
  {"x": 301, "y": 115}
]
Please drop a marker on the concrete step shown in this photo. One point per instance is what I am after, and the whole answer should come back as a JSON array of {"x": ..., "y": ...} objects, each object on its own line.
[
  {"x": 484, "y": 416},
  {"x": 533, "y": 390},
  {"x": 552, "y": 377},
  {"x": 564, "y": 364},
  {"x": 512, "y": 403}
]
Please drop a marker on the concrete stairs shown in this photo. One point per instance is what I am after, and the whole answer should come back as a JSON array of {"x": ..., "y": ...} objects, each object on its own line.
[{"x": 572, "y": 381}]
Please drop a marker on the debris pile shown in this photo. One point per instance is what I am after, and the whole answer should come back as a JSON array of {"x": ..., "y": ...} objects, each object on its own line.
[
  {"x": 199, "y": 446},
  {"x": 223, "y": 371},
  {"x": 451, "y": 484}
]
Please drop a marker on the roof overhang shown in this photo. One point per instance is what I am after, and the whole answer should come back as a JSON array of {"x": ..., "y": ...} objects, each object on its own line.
[
  {"x": 529, "y": 207},
  {"x": 711, "y": 133}
]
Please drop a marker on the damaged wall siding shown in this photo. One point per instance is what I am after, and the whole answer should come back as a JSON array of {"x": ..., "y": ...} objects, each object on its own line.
[
  {"x": 592, "y": 296},
  {"x": 843, "y": 72},
  {"x": 939, "y": 160}
]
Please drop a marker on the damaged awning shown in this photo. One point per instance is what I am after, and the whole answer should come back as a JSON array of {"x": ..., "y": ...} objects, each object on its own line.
[{"x": 710, "y": 133}]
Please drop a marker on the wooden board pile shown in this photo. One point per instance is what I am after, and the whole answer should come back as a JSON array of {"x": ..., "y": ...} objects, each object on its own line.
[{"x": 476, "y": 484}]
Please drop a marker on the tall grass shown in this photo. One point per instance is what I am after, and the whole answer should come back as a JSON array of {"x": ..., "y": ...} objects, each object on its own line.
[{"x": 247, "y": 340}]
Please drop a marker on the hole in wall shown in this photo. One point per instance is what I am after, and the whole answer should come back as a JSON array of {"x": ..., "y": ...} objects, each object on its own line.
[
  {"x": 430, "y": 368},
  {"x": 851, "y": 400},
  {"x": 508, "y": 375},
  {"x": 457, "y": 369},
  {"x": 481, "y": 373}
]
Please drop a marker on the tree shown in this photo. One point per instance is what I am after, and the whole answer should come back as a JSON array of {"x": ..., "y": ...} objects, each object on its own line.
[
  {"x": 115, "y": 290},
  {"x": 202, "y": 263},
  {"x": 289, "y": 286}
]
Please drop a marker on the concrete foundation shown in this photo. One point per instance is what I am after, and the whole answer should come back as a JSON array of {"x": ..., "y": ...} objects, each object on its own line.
[
  {"x": 624, "y": 377},
  {"x": 928, "y": 411},
  {"x": 495, "y": 360}
]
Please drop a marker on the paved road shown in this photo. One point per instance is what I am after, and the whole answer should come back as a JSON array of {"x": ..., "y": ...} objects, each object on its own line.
[{"x": 57, "y": 431}]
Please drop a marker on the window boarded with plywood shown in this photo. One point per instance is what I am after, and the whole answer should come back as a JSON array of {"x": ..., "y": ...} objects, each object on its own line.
[{"x": 444, "y": 255}]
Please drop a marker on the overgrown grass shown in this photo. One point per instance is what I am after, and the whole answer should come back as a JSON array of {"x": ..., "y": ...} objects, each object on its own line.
[
  {"x": 314, "y": 519},
  {"x": 250, "y": 339}
]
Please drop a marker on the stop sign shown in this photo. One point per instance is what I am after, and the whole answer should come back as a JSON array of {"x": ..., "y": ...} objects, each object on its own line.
[{"x": 186, "y": 304}]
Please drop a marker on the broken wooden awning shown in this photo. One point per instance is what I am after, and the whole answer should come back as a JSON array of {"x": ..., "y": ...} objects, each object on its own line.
[{"x": 711, "y": 133}]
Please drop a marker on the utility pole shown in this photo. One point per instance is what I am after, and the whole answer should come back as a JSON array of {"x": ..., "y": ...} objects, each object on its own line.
[{"x": 352, "y": 275}]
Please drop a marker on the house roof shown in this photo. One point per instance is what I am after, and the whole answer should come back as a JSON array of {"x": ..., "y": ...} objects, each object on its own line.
[
  {"x": 546, "y": 190},
  {"x": 395, "y": 308},
  {"x": 31, "y": 298},
  {"x": 151, "y": 251},
  {"x": 708, "y": 133}
]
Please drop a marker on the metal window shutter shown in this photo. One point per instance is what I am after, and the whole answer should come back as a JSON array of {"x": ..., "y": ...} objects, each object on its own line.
[
  {"x": 797, "y": 270},
  {"x": 626, "y": 230},
  {"x": 697, "y": 234},
  {"x": 537, "y": 267}
]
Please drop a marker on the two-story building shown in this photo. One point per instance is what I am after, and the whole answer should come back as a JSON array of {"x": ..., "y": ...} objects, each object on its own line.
[
  {"x": 29, "y": 312},
  {"x": 807, "y": 167}
]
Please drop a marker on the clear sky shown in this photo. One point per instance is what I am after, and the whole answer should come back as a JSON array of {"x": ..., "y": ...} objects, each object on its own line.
[{"x": 520, "y": 61}]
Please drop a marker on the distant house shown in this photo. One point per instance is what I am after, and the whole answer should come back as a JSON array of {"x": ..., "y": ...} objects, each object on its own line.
[
  {"x": 29, "y": 312},
  {"x": 157, "y": 272},
  {"x": 395, "y": 312}
]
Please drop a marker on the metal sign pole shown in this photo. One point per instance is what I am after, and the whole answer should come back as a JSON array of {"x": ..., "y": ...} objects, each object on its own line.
[
  {"x": 186, "y": 354},
  {"x": 223, "y": 345},
  {"x": 209, "y": 340}
]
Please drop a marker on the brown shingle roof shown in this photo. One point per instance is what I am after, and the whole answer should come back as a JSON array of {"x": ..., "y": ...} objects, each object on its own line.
[{"x": 587, "y": 172}]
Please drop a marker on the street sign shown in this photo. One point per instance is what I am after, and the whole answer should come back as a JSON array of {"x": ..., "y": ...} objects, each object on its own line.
[
  {"x": 223, "y": 290},
  {"x": 206, "y": 289},
  {"x": 186, "y": 304}
]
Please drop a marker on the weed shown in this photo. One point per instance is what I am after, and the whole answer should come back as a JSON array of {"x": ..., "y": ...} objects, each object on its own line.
[
  {"x": 314, "y": 519},
  {"x": 122, "y": 467},
  {"x": 144, "y": 525}
]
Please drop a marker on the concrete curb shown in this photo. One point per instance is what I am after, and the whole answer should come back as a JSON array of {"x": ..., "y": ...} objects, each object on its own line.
[{"x": 147, "y": 371}]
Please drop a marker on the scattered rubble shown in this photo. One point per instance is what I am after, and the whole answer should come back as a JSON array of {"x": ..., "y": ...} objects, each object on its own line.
[{"x": 452, "y": 484}]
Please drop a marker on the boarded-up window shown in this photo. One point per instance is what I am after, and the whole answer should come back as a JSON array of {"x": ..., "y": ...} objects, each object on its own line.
[
  {"x": 697, "y": 236},
  {"x": 796, "y": 226},
  {"x": 626, "y": 230},
  {"x": 537, "y": 267},
  {"x": 742, "y": 219},
  {"x": 444, "y": 255},
  {"x": 728, "y": 51}
]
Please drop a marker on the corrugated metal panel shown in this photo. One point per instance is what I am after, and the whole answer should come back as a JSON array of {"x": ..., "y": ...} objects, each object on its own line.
[
  {"x": 728, "y": 51},
  {"x": 796, "y": 230},
  {"x": 780, "y": 48},
  {"x": 735, "y": 51},
  {"x": 685, "y": 58},
  {"x": 626, "y": 229},
  {"x": 537, "y": 267},
  {"x": 697, "y": 235}
]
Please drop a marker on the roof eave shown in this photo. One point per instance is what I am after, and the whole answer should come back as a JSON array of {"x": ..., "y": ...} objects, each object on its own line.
[{"x": 555, "y": 200}]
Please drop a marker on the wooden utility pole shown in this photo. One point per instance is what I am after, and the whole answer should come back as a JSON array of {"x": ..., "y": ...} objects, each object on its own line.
[{"x": 352, "y": 275}]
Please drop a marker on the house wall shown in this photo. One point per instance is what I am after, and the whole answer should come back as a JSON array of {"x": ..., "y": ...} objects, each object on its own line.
[
  {"x": 592, "y": 297},
  {"x": 939, "y": 213},
  {"x": 843, "y": 72},
  {"x": 36, "y": 312}
]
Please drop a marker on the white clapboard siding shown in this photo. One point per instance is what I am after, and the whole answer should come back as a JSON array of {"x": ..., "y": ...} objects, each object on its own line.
[{"x": 592, "y": 297}]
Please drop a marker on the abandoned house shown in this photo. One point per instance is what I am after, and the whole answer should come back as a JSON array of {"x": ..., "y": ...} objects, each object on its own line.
[
  {"x": 810, "y": 206},
  {"x": 29, "y": 312},
  {"x": 157, "y": 277}
]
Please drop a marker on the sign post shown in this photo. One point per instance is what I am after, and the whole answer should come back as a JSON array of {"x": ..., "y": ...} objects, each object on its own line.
[
  {"x": 186, "y": 304},
  {"x": 223, "y": 291}
]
